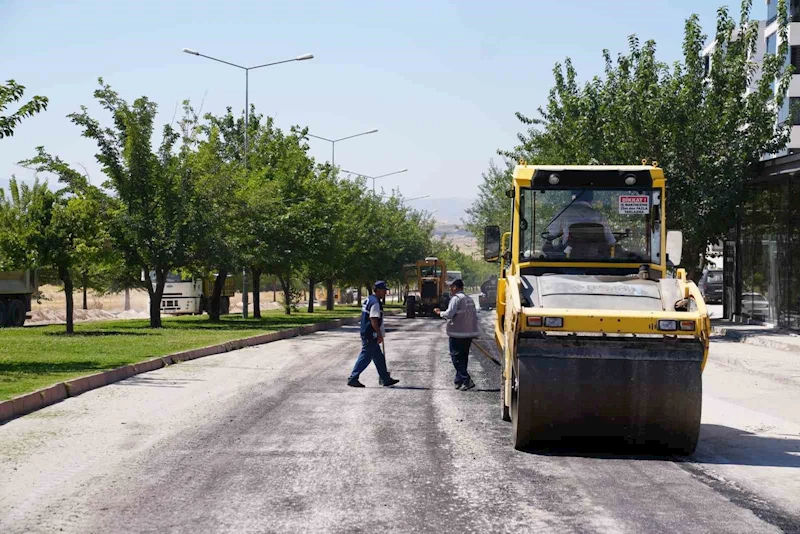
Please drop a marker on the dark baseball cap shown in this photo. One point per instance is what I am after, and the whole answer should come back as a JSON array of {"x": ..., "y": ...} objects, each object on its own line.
[
  {"x": 380, "y": 284},
  {"x": 458, "y": 283}
]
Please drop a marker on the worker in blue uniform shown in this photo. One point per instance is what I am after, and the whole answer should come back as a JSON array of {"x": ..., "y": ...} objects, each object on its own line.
[{"x": 372, "y": 333}]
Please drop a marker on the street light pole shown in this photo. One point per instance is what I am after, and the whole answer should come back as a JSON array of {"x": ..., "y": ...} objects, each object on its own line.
[
  {"x": 245, "y": 300},
  {"x": 373, "y": 178},
  {"x": 334, "y": 141}
]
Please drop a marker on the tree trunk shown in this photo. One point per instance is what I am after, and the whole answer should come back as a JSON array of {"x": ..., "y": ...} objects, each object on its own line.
[
  {"x": 84, "y": 281},
  {"x": 369, "y": 288},
  {"x": 286, "y": 285},
  {"x": 256, "y": 276},
  {"x": 311, "y": 289},
  {"x": 219, "y": 285},
  {"x": 127, "y": 299},
  {"x": 330, "y": 301},
  {"x": 274, "y": 292},
  {"x": 155, "y": 295},
  {"x": 358, "y": 295},
  {"x": 68, "y": 288}
]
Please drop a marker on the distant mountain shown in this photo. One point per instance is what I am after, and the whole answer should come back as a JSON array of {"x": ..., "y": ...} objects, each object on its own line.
[{"x": 445, "y": 210}]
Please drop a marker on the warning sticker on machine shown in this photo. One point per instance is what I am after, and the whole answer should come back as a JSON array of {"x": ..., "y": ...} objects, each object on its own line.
[{"x": 634, "y": 204}]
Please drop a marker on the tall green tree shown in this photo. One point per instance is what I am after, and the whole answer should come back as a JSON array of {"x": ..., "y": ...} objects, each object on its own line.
[
  {"x": 216, "y": 207},
  {"x": 12, "y": 92},
  {"x": 71, "y": 234},
  {"x": 491, "y": 206},
  {"x": 708, "y": 130},
  {"x": 151, "y": 225}
]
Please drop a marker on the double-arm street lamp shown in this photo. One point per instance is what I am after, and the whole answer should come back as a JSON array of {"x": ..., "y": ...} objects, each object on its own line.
[
  {"x": 246, "y": 125},
  {"x": 334, "y": 141},
  {"x": 373, "y": 178}
]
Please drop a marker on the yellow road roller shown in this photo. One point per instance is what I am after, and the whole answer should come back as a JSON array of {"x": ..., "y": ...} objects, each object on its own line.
[{"x": 602, "y": 337}]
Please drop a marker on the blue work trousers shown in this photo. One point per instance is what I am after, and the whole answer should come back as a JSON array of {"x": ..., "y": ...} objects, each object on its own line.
[
  {"x": 370, "y": 352},
  {"x": 459, "y": 353}
]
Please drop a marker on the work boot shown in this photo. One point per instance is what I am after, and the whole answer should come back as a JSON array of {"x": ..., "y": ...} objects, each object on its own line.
[
  {"x": 458, "y": 385},
  {"x": 469, "y": 384},
  {"x": 388, "y": 382},
  {"x": 354, "y": 383}
]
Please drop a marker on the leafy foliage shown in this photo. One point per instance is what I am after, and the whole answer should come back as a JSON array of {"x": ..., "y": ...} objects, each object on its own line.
[
  {"x": 492, "y": 206},
  {"x": 71, "y": 233},
  {"x": 191, "y": 205},
  {"x": 151, "y": 224},
  {"x": 13, "y": 92},
  {"x": 707, "y": 130}
]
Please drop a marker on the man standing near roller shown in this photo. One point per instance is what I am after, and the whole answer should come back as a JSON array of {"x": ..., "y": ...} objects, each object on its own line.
[
  {"x": 462, "y": 326},
  {"x": 372, "y": 332}
]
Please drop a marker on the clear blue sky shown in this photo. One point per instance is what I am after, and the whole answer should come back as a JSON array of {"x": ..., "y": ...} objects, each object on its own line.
[{"x": 440, "y": 80}]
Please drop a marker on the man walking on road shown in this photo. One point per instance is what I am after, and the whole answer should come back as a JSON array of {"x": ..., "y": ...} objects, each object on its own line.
[
  {"x": 372, "y": 333},
  {"x": 462, "y": 326}
]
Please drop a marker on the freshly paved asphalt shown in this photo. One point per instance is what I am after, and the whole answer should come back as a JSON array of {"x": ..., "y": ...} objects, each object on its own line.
[{"x": 270, "y": 439}]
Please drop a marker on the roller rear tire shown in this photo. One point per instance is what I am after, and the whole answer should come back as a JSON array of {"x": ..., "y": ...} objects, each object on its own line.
[{"x": 411, "y": 307}]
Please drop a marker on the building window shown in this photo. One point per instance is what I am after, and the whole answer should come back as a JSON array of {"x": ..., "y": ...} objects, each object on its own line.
[
  {"x": 794, "y": 54},
  {"x": 707, "y": 64},
  {"x": 772, "y": 11},
  {"x": 772, "y": 43},
  {"x": 794, "y": 111}
]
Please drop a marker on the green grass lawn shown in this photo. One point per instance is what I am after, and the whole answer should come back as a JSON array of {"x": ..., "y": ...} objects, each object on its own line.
[{"x": 37, "y": 357}]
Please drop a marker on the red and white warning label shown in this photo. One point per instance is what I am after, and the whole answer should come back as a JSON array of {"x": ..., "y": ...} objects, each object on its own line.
[{"x": 634, "y": 204}]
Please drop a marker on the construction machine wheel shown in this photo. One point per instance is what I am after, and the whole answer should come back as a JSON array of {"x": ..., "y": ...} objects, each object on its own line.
[
  {"x": 522, "y": 428},
  {"x": 16, "y": 313},
  {"x": 411, "y": 307},
  {"x": 224, "y": 305},
  {"x": 604, "y": 393}
]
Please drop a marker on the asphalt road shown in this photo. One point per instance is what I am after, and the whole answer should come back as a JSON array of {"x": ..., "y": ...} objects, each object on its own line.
[{"x": 270, "y": 439}]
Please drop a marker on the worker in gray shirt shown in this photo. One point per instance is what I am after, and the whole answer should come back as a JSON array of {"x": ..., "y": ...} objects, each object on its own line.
[{"x": 462, "y": 326}]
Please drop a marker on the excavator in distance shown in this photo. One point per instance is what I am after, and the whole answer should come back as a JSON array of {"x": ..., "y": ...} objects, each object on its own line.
[{"x": 598, "y": 341}]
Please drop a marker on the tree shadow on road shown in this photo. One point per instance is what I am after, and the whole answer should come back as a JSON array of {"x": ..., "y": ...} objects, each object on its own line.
[{"x": 149, "y": 381}]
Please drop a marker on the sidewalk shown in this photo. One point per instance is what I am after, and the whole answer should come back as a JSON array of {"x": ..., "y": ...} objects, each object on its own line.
[{"x": 761, "y": 336}]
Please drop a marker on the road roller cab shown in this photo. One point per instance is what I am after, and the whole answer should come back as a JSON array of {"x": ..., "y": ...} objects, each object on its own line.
[{"x": 599, "y": 341}]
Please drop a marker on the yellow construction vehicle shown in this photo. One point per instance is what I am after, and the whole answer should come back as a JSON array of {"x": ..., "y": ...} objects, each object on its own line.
[
  {"x": 598, "y": 341},
  {"x": 426, "y": 287}
]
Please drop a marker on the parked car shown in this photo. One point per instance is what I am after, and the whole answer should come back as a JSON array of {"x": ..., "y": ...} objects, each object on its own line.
[
  {"x": 755, "y": 306},
  {"x": 711, "y": 286}
]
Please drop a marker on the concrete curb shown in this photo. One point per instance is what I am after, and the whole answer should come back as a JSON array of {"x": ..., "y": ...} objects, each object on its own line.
[
  {"x": 758, "y": 339},
  {"x": 30, "y": 402}
]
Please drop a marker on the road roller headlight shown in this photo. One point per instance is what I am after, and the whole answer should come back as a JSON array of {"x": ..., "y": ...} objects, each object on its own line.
[
  {"x": 668, "y": 325},
  {"x": 554, "y": 322},
  {"x": 549, "y": 322},
  {"x": 687, "y": 326}
]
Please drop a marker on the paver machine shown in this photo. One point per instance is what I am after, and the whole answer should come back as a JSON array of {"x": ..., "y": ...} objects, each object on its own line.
[
  {"x": 427, "y": 288},
  {"x": 599, "y": 342}
]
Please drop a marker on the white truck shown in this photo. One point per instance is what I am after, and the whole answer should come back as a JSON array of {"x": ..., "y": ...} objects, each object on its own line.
[
  {"x": 191, "y": 295},
  {"x": 452, "y": 276},
  {"x": 16, "y": 290}
]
